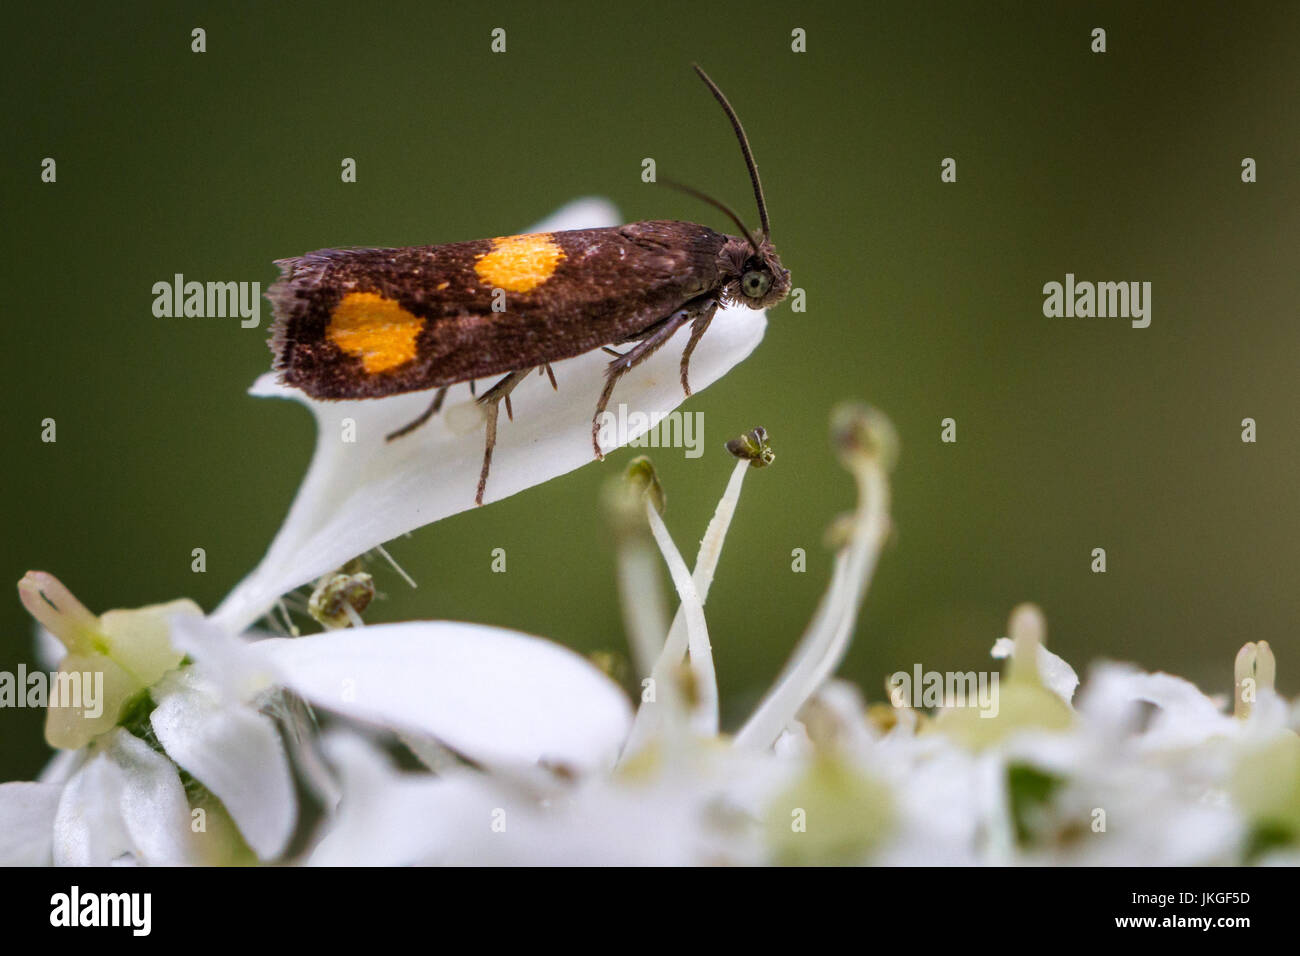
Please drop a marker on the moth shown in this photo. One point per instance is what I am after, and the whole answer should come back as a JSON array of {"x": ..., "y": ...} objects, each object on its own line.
[{"x": 369, "y": 323}]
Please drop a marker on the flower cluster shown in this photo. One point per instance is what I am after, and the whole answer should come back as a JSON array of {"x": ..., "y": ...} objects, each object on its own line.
[{"x": 430, "y": 742}]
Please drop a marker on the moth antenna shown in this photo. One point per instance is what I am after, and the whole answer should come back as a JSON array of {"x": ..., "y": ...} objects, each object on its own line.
[
  {"x": 744, "y": 147},
  {"x": 716, "y": 204}
]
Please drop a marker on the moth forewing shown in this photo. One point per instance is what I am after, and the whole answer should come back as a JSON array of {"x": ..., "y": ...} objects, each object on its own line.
[{"x": 366, "y": 323}]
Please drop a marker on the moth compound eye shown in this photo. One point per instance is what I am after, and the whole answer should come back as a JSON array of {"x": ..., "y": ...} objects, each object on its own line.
[{"x": 755, "y": 284}]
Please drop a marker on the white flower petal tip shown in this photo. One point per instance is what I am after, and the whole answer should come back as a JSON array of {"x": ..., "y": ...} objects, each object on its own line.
[
  {"x": 362, "y": 490},
  {"x": 589, "y": 212},
  {"x": 497, "y": 696},
  {"x": 226, "y": 661}
]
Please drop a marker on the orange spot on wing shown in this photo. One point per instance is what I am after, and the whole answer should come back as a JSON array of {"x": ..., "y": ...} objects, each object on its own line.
[
  {"x": 519, "y": 263},
  {"x": 374, "y": 329}
]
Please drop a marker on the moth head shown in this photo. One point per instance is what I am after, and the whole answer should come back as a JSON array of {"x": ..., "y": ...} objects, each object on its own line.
[{"x": 752, "y": 274}]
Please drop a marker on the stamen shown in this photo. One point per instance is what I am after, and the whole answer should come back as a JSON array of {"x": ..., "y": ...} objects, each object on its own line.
[
  {"x": 1265, "y": 665},
  {"x": 752, "y": 452},
  {"x": 643, "y": 605},
  {"x": 753, "y": 448},
  {"x": 1028, "y": 631},
  {"x": 705, "y": 717},
  {"x": 868, "y": 447},
  {"x": 383, "y": 553},
  {"x": 286, "y": 623},
  {"x": 1254, "y": 670},
  {"x": 641, "y": 598}
]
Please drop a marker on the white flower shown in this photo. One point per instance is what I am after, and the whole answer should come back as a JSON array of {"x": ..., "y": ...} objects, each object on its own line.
[
  {"x": 359, "y": 494},
  {"x": 502, "y": 699},
  {"x": 1147, "y": 769},
  {"x": 112, "y": 797},
  {"x": 107, "y": 660}
]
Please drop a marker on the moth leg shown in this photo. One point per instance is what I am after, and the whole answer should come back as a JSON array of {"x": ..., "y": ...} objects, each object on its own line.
[
  {"x": 550, "y": 373},
  {"x": 438, "y": 397},
  {"x": 643, "y": 349},
  {"x": 490, "y": 401},
  {"x": 698, "y": 328}
]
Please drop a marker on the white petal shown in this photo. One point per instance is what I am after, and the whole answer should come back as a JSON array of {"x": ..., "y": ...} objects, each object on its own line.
[
  {"x": 590, "y": 212},
  {"x": 225, "y": 661},
  {"x": 498, "y": 696},
  {"x": 62, "y": 766},
  {"x": 1268, "y": 716},
  {"x": 1185, "y": 716},
  {"x": 235, "y": 752},
  {"x": 125, "y": 803},
  {"x": 153, "y": 806},
  {"x": 27, "y": 823},
  {"x": 388, "y": 818},
  {"x": 361, "y": 493},
  {"x": 1055, "y": 672},
  {"x": 938, "y": 800},
  {"x": 88, "y": 828}
]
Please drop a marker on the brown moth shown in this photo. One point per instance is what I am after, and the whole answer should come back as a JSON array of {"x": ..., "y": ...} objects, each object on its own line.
[{"x": 368, "y": 323}]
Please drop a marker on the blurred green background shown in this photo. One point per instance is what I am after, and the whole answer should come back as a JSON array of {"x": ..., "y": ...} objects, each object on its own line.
[{"x": 924, "y": 298}]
